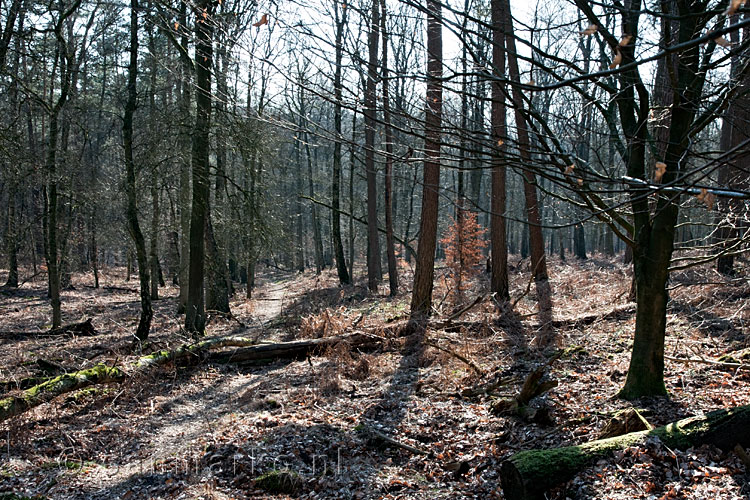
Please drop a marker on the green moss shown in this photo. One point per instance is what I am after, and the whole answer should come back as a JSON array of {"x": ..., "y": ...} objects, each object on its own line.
[{"x": 279, "y": 481}]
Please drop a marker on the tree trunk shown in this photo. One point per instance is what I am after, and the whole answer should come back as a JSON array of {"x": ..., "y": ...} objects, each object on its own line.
[
  {"x": 195, "y": 316},
  {"x": 12, "y": 239},
  {"x": 338, "y": 247},
  {"x": 498, "y": 232},
  {"x": 536, "y": 239},
  {"x": 153, "y": 254},
  {"x": 217, "y": 293},
  {"x": 184, "y": 196},
  {"x": 389, "y": 243},
  {"x": 144, "y": 324},
  {"x": 421, "y": 300},
  {"x": 528, "y": 474},
  {"x": 374, "y": 272}
]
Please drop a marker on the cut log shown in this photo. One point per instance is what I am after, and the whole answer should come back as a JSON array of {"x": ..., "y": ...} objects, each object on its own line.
[
  {"x": 528, "y": 474},
  {"x": 625, "y": 422},
  {"x": 34, "y": 396}
]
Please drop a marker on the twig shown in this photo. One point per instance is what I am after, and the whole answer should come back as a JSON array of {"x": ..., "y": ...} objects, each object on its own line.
[
  {"x": 393, "y": 442},
  {"x": 465, "y": 309},
  {"x": 739, "y": 366},
  {"x": 458, "y": 356}
]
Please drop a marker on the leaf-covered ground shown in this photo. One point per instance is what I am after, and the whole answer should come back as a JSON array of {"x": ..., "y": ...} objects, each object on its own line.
[{"x": 309, "y": 429}]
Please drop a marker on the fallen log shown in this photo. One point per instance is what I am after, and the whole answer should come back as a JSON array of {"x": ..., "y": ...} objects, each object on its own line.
[
  {"x": 247, "y": 349},
  {"x": 528, "y": 474},
  {"x": 46, "y": 391},
  {"x": 82, "y": 329},
  {"x": 297, "y": 349}
]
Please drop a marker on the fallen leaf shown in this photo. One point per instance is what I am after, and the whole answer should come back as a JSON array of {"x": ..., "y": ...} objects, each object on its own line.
[{"x": 570, "y": 168}]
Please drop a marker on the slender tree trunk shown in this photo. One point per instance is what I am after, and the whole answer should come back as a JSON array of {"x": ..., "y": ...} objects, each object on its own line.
[
  {"x": 12, "y": 239},
  {"x": 374, "y": 272},
  {"x": 338, "y": 247},
  {"x": 421, "y": 300},
  {"x": 498, "y": 232},
  {"x": 195, "y": 316},
  {"x": 351, "y": 195},
  {"x": 144, "y": 324},
  {"x": 536, "y": 239},
  {"x": 184, "y": 195},
  {"x": 389, "y": 242},
  {"x": 317, "y": 239}
]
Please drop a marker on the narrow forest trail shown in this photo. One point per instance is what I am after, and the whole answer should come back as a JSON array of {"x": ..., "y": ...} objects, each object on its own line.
[{"x": 175, "y": 420}]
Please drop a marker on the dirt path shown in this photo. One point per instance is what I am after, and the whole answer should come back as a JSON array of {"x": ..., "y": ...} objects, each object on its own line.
[{"x": 175, "y": 422}]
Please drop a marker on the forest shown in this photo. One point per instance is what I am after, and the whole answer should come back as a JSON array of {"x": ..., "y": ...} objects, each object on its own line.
[{"x": 374, "y": 249}]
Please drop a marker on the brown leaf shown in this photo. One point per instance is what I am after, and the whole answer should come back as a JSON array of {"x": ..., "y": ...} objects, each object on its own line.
[
  {"x": 617, "y": 60},
  {"x": 625, "y": 40},
  {"x": 709, "y": 201},
  {"x": 720, "y": 40},
  {"x": 590, "y": 30},
  {"x": 661, "y": 168},
  {"x": 733, "y": 7},
  {"x": 263, "y": 20},
  {"x": 176, "y": 26},
  {"x": 570, "y": 169}
]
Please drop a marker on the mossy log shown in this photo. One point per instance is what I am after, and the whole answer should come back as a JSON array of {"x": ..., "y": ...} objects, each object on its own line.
[
  {"x": 192, "y": 352},
  {"x": 528, "y": 474},
  {"x": 34, "y": 396}
]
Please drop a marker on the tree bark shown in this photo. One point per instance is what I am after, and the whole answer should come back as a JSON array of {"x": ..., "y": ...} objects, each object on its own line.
[
  {"x": 374, "y": 271},
  {"x": 338, "y": 247},
  {"x": 528, "y": 474},
  {"x": 195, "y": 316},
  {"x": 144, "y": 323},
  {"x": 389, "y": 243},
  {"x": 184, "y": 195},
  {"x": 421, "y": 300},
  {"x": 498, "y": 231},
  {"x": 536, "y": 239}
]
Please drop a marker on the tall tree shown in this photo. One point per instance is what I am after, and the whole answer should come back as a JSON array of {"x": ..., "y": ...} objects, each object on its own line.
[
  {"x": 195, "y": 316},
  {"x": 374, "y": 272},
  {"x": 388, "y": 129},
  {"x": 533, "y": 217},
  {"x": 65, "y": 56},
  {"x": 421, "y": 299},
  {"x": 340, "y": 14},
  {"x": 499, "y": 278},
  {"x": 144, "y": 324}
]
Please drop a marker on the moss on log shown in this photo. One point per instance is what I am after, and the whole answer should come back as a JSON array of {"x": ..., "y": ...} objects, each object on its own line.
[
  {"x": 194, "y": 351},
  {"x": 528, "y": 474},
  {"x": 34, "y": 396}
]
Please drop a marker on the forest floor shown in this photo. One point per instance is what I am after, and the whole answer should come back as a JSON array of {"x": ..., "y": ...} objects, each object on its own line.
[{"x": 217, "y": 431}]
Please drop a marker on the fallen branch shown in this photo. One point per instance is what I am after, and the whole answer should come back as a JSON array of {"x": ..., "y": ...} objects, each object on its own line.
[
  {"x": 721, "y": 364},
  {"x": 528, "y": 474},
  {"x": 465, "y": 309},
  {"x": 82, "y": 329},
  {"x": 532, "y": 387},
  {"x": 458, "y": 356},
  {"x": 377, "y": 436},
  {"x": 615, "y": 313}
]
